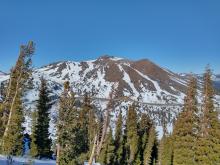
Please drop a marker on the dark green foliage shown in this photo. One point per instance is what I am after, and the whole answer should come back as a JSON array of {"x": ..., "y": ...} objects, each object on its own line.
[
  {"x": 208, "y": 144},
  {"x": 143, "y": 132},
  {"x": 66, "y": 126},
  {"x": 186, "y": 128},
  {"x": 118, "y": 151},
  {"x": 150, "y": 152},
  {"x": 132, "y": 136},
  {"x": 165, "y": 150},
  {"x": 106, "y": 156},
  {"x": 11, "y": 113},
  {"x": 41, "y": 130},
  {"x": 13, "y": 140},
  {"x": 76, "y": 128},
  {"x": 92, "y": 129},
  {"x": 83, "y": 131},
  {"x": 33, "y": 148}
]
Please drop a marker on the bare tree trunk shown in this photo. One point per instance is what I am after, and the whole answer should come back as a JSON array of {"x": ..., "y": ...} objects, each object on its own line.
[
  {"x": 12, "y": 105},
  {"x": 104, "y": 131},
  {"x": 58, "y": 154},
  {"x": 93, "y": 151},
  {"x": 5, "y": 101}
]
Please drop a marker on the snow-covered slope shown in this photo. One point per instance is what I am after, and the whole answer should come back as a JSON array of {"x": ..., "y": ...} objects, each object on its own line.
[
  {"x": 136, "y": 79},
  {"x": 141, "y": 80},
  {"x": 23, "y": 160}
]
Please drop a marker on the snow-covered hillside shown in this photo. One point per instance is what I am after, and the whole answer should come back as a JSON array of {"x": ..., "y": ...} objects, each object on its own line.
[
  {"x": 141, "y": 80},
  {"x": 23, "y": 160}
]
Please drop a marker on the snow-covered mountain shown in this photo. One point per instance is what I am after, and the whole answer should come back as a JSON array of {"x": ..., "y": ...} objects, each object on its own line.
[
  {"x": 215, "y": 78},
  {"x": 141, "y": 80}
]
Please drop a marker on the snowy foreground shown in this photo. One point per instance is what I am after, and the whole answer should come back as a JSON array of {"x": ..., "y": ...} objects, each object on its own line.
[{"x": 26, "y": 161}]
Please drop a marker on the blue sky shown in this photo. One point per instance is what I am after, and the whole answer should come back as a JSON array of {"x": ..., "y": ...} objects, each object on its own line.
[{"x": 182, "y": 35}]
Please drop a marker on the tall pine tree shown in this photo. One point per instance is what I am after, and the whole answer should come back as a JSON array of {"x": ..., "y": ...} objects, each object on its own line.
[
  {"x": 143, "y": 132},
  {"x": 186, "y": 128},
  {"x": 11, "y": 115},
  {"x": 208, "y": 144},
  {"x": 165, "y": 151},
  {"x": 41, "y": 130},
  {"x": 106, "y": 156},
  {"x": 67, "y": 128},
  {"x": 150, "y": 151},
  {"x": 33, "y": 147},
  {"x": 118, "y": 151},
  {"x": 132, "y": 136}
]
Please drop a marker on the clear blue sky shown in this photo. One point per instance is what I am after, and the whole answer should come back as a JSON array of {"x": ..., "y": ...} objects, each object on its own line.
[{"x": 182, "y": 35}]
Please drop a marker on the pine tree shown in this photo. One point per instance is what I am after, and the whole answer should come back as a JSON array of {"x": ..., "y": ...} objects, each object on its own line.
[
  {"x": 186, "y": 128},
  {"x": 67, "y": 127},
  {"x": 166, "y": 150},
  {"x": 33, "y": 147},
  {"x": 132, "y": 137},
  {"x": 150, "y": 152},
  {"x": 12, "y": 108},
  {"x": 43, "y": 141},
  {"x": 92, "y": 130},
  {"x": 118, "y": 151},
  {"x": 83, "y": 132},
  {"x": 208, "y": 144},
  {"x": 107, "y": 153},
  {"x": 143, "y": 132}
]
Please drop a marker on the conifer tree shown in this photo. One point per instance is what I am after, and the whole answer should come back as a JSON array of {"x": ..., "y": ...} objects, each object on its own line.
[
  {"x": 67, "y": 127},
  {"x": 143, "y": 132},
  {"x": 92, "y": 130},
  {"x": 186, "y": 128},
  {"x": 150, "y": 152},
  {"x": 118, "y": 151},
  {"x": 12, "y": 108},
  {"x": 208, "y": 144},
  {"x": 41, "y": 130},
  {"x": 33, "y": 147},
  {"x": 165, "y": 150},
  {"x": 83, "y": 131},
  {"x": 107, "y": 153},
  {"x": 132, "y": 137}
]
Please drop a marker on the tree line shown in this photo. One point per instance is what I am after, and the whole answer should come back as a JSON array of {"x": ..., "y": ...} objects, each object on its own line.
[{"x": 84, "y": 135}]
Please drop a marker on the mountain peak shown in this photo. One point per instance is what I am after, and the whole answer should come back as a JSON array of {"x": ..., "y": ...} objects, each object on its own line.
[{"x": 109, "y": 57}]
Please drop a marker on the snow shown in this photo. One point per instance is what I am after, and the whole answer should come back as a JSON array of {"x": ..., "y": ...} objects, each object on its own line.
[
  {"x": 92, "y": 79},
  {"x": 127, "y": 79},
  {"x": 4, "y": 77},
  {"x": 25, "y": 160}
]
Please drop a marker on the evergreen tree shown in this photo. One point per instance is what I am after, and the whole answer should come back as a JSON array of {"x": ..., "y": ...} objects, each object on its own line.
[
  {"x": 92, "y": 130},
  {"x": 150, "y": 152},
  {"x": 165, "y": 150},
  {"x": 107, "y": 153},
  {"x": 208, "y": 144},
  {"x": 67, "y": 128},
  {"x": 41, "y": 130},
  {"x": 118, "y": 151},
  {"x": 83, "y": 132},
  {"x": 33, "y": 147},
  {"x": 12, "y": 108},
  {"x": 186, "y": 128},
  {"x": 143, "y": 132},
  {"x": 124, "y": 156},
  {"x": 132, "y": 137}
]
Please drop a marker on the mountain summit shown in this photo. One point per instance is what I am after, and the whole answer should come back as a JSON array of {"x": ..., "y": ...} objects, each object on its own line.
[{"x": 140, "y": 79}]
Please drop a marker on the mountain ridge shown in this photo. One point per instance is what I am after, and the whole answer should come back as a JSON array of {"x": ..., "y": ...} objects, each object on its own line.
[{"x": 140, "y": 80}]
